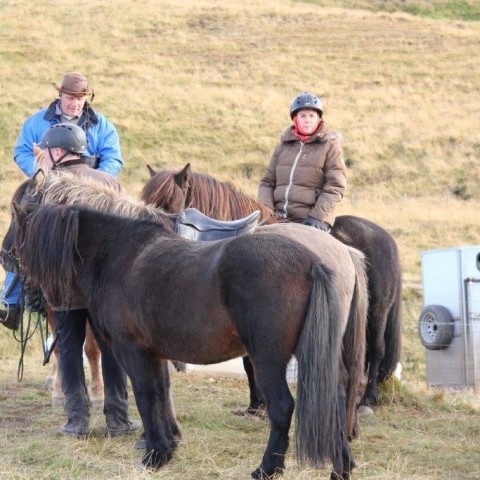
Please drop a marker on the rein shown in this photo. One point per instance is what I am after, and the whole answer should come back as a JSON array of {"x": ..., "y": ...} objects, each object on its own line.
[{"x": 26, "y": 333}]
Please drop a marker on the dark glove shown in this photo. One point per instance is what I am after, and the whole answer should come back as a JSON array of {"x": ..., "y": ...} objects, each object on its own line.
[{"x": 320, "y": 224}]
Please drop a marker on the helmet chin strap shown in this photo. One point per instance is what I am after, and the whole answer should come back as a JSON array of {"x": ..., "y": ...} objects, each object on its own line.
[{"x": 56, "y": 162}]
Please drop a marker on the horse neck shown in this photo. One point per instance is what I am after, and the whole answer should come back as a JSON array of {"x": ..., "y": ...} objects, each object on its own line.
[
  {"x": 221, "y": 201},
  {"x": 105, "y": 200}
]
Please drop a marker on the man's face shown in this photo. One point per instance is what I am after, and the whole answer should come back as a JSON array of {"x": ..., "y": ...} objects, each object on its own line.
[{"x": 71, "y": 104}]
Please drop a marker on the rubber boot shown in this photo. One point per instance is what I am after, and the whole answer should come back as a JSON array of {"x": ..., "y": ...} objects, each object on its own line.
[{"x": 78, "y": 415}]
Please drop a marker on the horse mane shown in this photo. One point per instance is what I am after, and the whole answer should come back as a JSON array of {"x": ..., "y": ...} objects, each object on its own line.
[
  {"x": 163, "y": 191},
  {"x": 69, "y": 189},
  {"x": 40, "y": 249},
  {"x": 214, "y": 198}
]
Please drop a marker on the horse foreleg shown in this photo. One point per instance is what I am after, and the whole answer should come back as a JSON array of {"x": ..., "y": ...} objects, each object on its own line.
[
  {"x": 271, "y": 379},
  {"x": 92, "y": 351},
  {"x": 151, "y": 386}
]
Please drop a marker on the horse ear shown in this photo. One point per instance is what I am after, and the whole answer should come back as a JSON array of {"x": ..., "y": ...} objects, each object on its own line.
[
  {"x": 38, "y": 181},
  {"x": 183, "y": 176},
  {"x": 152, "y": 171}
]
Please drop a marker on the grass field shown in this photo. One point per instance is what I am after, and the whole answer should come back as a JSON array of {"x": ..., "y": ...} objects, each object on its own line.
[{"x": 210, "y": 82}]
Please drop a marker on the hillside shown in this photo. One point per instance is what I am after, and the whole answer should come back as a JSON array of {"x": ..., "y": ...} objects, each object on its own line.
[{"x": 210, "y": 82}]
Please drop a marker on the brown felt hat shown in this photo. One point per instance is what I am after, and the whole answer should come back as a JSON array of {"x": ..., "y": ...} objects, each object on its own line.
[{"x": 74, "y": 83}]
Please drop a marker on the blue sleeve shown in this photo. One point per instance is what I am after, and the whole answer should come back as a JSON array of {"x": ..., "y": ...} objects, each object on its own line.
[
  {"x": 31, "y": 132},
  {"x": 107, "y": 146}
]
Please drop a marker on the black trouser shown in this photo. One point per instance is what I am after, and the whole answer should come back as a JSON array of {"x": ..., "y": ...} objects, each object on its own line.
[{"x": 71, "y": 327}]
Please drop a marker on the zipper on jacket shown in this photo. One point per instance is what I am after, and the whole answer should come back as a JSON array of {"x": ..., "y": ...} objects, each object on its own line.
[{"x": 290, "y": 180}]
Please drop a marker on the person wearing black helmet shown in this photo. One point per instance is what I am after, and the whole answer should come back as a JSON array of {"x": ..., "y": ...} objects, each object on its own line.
[
  {"x": 63, "y": 146},
  {"x": 64, "y": 143},
  {"x": 306, "y": 176}
]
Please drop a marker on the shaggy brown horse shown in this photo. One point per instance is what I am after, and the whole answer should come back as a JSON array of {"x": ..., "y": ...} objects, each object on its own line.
[
  {"x": 177, "y": 190},
  {"x": 261, "y": 294}
]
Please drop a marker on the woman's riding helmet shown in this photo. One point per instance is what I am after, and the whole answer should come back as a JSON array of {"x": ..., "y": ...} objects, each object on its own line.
[{"x": 305, "y": 101}]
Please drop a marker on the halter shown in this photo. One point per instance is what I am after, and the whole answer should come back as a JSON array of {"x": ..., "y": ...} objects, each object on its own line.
[
  {"x": 15, "y": 261},
  {"x": 26, "y": 332}
]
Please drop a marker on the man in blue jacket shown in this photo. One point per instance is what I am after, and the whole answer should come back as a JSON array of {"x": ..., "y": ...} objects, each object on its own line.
[{"x": 72, "y": 106}]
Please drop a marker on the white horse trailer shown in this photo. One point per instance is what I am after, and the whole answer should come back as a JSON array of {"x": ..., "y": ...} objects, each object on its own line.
[{"x": 449, "y": 325}]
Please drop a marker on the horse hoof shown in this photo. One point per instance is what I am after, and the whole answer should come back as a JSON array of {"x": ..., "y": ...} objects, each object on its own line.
[
  {"x": 365, "y": 410},
  {"x": 260, "y": 474},
  {"x": 253, "y": 415},
  {"x": 337, "y": 476},
  {"x": 155, "y": 460}
]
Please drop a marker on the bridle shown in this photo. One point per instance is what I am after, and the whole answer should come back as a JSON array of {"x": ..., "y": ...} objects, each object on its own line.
[
  {"x": 25, "y": 332},
  {"x": 12, "y": 259}
]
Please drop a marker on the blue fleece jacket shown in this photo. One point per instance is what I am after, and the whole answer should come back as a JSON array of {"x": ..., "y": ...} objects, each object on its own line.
[{"x": 102, "y": 139}]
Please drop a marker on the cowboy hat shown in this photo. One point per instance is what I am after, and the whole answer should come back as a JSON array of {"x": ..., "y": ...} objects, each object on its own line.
[{"x": 74, "y": 83}]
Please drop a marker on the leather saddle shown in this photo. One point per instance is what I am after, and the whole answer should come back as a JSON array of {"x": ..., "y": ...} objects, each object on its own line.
[{"x": 194, "y": 225}]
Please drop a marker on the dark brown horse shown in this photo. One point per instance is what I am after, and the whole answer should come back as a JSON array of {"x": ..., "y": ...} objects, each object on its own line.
[
  {"x": 246, "y": 295},
  {"x": 177, "y": 190}
]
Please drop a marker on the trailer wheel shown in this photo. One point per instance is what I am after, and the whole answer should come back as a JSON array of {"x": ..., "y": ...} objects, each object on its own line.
[{"x": 435, "y": 327}]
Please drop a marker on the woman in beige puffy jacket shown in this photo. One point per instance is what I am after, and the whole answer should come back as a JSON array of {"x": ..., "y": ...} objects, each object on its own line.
[{"x": 306, "y": 176}]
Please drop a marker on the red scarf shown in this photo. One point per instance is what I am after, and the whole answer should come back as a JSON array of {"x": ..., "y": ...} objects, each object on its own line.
[{"x": 300, "y": 134}]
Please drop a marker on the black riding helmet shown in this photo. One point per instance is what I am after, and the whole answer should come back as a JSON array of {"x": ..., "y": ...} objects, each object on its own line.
[
  {"x": 305, "y": 101},
  {"x": 68, "y": 136}
]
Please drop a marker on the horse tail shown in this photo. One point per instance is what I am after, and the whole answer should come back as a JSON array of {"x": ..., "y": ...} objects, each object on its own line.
[
  {"x": 354, "y": 342},
  {"x": 393, "y": 335},
  {"x": 318, "y": 428},
  {"x": 49, "y": 248}
]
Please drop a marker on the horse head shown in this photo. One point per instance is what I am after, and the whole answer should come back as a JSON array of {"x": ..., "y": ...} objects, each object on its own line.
[
  {"x": 45, "y": 244},
  {"x": 167, "y": 189},
  {"x": 30, "y": 192},
  {"x": 175, "y": 191}
]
